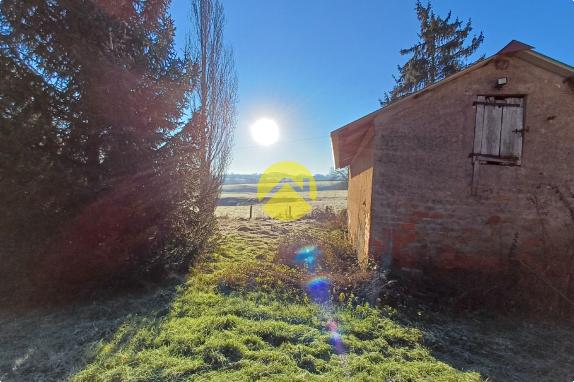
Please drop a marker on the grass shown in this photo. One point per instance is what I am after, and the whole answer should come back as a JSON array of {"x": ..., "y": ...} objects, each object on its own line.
[{"x": 241, "y": 316}]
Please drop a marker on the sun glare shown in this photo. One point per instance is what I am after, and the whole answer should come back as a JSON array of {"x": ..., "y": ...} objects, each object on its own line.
[{"x": 265, "y": 131}]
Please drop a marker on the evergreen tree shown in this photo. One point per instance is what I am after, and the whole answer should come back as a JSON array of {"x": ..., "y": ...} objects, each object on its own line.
[
  {"x": 92, "y": 101},
  {"x": 441, "y": 52},
  {"x": 90, "y": 89}
]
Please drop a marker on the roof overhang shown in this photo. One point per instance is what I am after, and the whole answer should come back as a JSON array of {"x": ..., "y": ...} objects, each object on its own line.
[{"x": 347, "y": 140}]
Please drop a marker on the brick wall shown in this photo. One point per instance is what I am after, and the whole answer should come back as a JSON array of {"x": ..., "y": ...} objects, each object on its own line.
[{"x": 423, "y": 213}]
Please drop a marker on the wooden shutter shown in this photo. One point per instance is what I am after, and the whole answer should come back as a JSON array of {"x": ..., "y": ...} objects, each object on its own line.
[
  {"x": 499, "y": 125},
  {"x": 491, "y": 129},
  {"x": 512, "y": 126},
  {"x": 479, "y": 124}
]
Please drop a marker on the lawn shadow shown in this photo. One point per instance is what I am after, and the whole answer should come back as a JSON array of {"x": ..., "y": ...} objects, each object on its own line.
[
  {"x": 500, "y": 348},
  {"x": 53, "y": 343}
]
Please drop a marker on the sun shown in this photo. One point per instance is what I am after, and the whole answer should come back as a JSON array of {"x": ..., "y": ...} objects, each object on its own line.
[{"x": 265, "y": 131}]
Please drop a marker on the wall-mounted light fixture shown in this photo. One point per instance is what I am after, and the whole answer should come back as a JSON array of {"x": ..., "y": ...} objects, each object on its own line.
[{"x": 501, "y": 82}]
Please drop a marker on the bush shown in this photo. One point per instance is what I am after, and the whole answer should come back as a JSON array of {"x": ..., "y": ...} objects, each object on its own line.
[
  {"x": 330, "y": 218},
  {"x": 110, "y": 161},
  {"x": 327, "y": 253},
  {"x": 123, "y": 236}
]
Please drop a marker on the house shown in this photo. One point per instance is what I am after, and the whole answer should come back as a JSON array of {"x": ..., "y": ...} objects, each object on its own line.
[{"x": 469, "y": 173}]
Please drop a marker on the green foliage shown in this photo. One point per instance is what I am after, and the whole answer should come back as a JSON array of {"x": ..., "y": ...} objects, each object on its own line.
[
  {"x": 96, "y": 138},
  {"x": 261, "y": 333},
  {"x": 252, "y": 275},
  {"x": 441, "y": 52},
  {"x": 90, "y": 91}
]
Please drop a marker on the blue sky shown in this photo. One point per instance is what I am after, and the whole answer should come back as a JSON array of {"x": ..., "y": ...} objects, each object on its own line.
[{"x": 315, "y": 65}]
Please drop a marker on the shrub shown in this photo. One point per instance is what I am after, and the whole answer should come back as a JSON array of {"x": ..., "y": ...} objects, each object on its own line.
[
  {"x": 124, "y": 235},
  {"x": 329, "y": 255},
  {"x": 329, "y": 217}
]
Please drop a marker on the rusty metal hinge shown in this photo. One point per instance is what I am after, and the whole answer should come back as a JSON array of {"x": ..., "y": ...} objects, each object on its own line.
[{"x": 521, "y": 131}]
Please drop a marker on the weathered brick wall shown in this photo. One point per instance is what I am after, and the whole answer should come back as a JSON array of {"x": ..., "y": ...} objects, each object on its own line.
[
  {"x": 359, "y": 201},
  {"x": 423, "y": 213}
]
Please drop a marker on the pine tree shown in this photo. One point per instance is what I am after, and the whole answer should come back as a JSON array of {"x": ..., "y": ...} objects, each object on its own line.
[
  {"x": 92, "y": 96},
  {"x": 92, "y": 84},
  {"x": 441, "y": 52}
]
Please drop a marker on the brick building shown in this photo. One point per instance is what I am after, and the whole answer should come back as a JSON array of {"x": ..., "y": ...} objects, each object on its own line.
[{"x": 469, "y": 172}]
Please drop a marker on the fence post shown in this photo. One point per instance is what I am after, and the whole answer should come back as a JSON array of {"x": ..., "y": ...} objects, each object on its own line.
[{"x": 250, "y": 211}]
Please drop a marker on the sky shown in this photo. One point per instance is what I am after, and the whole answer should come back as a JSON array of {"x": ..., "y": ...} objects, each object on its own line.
[{"x": 315, "y": 65}]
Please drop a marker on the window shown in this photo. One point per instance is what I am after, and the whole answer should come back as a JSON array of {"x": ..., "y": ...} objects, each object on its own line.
[{"x": 499, "y": 129}]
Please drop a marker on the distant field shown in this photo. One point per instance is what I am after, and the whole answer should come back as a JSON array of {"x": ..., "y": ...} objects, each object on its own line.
[{"x": 236, "y": 198}]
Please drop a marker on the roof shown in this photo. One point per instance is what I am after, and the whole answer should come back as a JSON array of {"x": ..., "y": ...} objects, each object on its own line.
[{"x": 348, "y": 139}]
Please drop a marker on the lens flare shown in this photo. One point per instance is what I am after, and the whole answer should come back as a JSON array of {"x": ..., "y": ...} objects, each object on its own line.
[
  {"x": 308, "y": 257},
  {"x": 337, "y": 343},
  {"x": 335, "y": 339},
  {"x": 332, "y": 325},
  {"x": 318, "y": 289}
]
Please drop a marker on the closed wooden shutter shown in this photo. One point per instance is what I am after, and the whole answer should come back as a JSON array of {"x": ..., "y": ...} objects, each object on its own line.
[
  {"x": 491, "y": 129},
  {"x": 512, "y": 128},
  {"x": 499, "y": 127},
  {"x": 479, "y": 126}
]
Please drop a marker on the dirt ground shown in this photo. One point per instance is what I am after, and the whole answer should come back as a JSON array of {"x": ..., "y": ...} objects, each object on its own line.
[{"x": 51, "y": 344}]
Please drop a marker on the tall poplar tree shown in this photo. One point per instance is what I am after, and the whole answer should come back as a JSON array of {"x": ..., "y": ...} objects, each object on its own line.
[{"x": 442, "y": 50}]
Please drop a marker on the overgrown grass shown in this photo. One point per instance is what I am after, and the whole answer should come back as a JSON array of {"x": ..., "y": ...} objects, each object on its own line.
[{"x": 242, "y": 316}]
